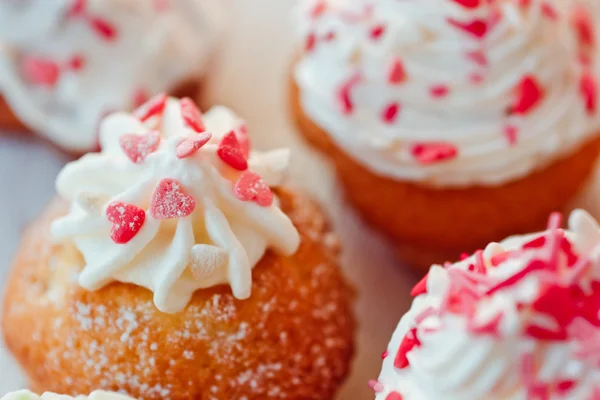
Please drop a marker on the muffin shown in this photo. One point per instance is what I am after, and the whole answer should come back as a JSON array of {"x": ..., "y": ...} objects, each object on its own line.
[
  {"x": 65, "y": 64},
  {"x": 518, "y": 320},
  {"x": 451, "y": 124},
  {"x": 171, "y": 270},
  {"x": 98, "y": 395}
]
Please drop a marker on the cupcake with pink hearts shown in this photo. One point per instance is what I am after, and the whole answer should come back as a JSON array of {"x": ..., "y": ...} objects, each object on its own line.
[
  {"x": 173, "y": 262},
  {"x": 452, "y": 123},
  {"x": 518, "y": 320},
  {"x": 65, "y": 64}
]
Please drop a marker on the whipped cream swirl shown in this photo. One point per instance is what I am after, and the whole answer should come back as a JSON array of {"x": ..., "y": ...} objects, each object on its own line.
[
  {"x": 175, "y": 202},
  {"x": 448, "y": 93},
  {"x": 97, "y": 395},
  {"x": 516, "y": 321},
  {"x": 64, "y": 64}
]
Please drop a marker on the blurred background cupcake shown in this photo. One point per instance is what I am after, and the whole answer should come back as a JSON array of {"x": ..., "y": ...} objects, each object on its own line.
[
  {"x": 451, "y": 123},
  {"x": 66, "y": 63}
]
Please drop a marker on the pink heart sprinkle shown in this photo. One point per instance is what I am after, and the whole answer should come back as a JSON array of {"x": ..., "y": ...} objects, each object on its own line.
[
  {"x": 583, "y": 26},
  {"x": 191, "y": 145},
  {"x": 76, "y": 63},
  {"x": 77, "y": 8},
  {"x": 318, "y": 9},
  {"x": 409, "y": 342},
  {"x": 156, "y": 105},
  {"x": 469, "y": 3},
  {"x": 588, "y": 87},
  {"x": 549, "y": 11},
  {"x": 251, "y": 187},
  {"x": 529, "y": 94},
  {"x": 376, "y": 386},
  {"x": 103, "y": 28},
  {"x": 127, "y": 221},
  {"x": 231, "y": 152},
  {"x": 311, "y": 41},
  {"x": 390, "y": 113},
  {"x": 396, "y": 73},
  {"x": 191, "y": 115},
  {"x": 434, "y": 152},
  {"x": 137, "y": 147},
  {"x": 40, "y": 71},
  {"x": 344, "y": 95},
  {"x": 377, "y": 32},
  {"x": 478, "y": 57},
  {"x": 169, "y": 201}
]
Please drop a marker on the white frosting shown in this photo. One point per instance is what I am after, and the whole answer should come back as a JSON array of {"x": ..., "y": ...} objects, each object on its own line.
[
  {"x": 491, "y": 146},
  {"x": 157, "y": 45},
  {"x": 219, "y": 242},
  {"x": 97, "y": 395},
  {"x": 454, "y": 362}
]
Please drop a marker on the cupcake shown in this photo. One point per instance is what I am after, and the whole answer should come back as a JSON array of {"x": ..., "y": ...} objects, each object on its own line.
[
  {"x": 452, "y": 123},
  {"x": 64, "y": 64},
  {"x": 518, "y": 320},
  {"x": 176, "y": 266},
  {"x": 98, "y": 395}
]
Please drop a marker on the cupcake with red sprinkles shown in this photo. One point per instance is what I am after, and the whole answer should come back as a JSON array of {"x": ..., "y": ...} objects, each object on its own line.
[
  {"x": 518, "y": 320},
  {"x": 452, "y": 123},
  {"x": 65, "y": 64}
]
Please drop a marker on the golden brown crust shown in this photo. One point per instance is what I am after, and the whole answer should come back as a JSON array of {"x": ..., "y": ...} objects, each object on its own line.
[
  {"x": 10, "y": 122},
  {"x": 430, "y": 224},
  {"x": 292, "y": 339}
]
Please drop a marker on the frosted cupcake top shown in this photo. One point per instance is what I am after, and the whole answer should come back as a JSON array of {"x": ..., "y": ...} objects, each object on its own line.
[
  {"x": 449, "y": 92},
  {"x": 519, "y": 320},
  {"x": 175, "y": 202},
  {"x": 66, "y": 63},
  {"x": 98, "y": 395}
]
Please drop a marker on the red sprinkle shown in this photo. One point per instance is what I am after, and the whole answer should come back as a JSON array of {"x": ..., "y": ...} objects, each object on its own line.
[
  {"x": 409, "y": 342},
  {"x": 191, "y": 115},
  {"x": 40, "y": 71},
  {"x": 169, "y": 201},
  {"x": 376, "y": 386},
  {"x": 156, "y": 105},
  {"x": 377, "y": 32},
  {"x": 588, "y": 87},
  {"x": 420, "y": 287},
  {"x": 231, "y": 152},
  {"x": 311, "y": 41},
  {"x": 390, "y": 112},
  {"x": 103, "y": 28},
  {"x": 529, "y": 94},
  {"x": 251, "y": 187},
  {"x": 510, "y": 132},
  {"x": 549, "y": 11},
  {"x": 477, "y": 27},
  {"x": 318, "y": 9},
  {"x": 127, "y": 221},
  {"x": 469, "y": 3},
  {"x": 396, "y": 72},
  {"x": 584, "y": 26},
  {"x": 138, "y": 147},
  {"x": 463, "y": 256},
  {"x": 191, "y": 145},
  {"x": 344, "y": 93},
  {"x": 77, "y": 8},
  {"x": 433, "y": 152},
  {"x": 439, "y": 91},
  {"x": 478, "y": 57},
  {"x": 384, "y": 355},
  {"x": 76, "y": 63}
]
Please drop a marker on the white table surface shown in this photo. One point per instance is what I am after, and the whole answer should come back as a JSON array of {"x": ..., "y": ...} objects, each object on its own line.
[{"x": 251, "y": 77}]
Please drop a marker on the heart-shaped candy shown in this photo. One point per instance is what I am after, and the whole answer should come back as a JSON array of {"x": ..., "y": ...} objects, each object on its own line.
[
  {"x": 191, "y": 115},
  {"x": 127, "y": 221},
  {"x": 251, "y": 187},
  {"x": 231, "y": 153},
  {"x": 169, "y": 201},
  {"x": 190, "y": 145},
  {"x": 156, "y": 105},
  {"x": 529, "y": 94},
  {"x": 137, "y": 147}
]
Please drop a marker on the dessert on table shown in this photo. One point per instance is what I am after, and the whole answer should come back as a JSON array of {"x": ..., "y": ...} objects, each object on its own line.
[
  {"x": 175, "y": 265},
  {"x": 452, "y": 123},
  {"x": 97, "y": 395},
  {"x": 518, "y": 320},
  {"x": 64, "y": 64}
]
